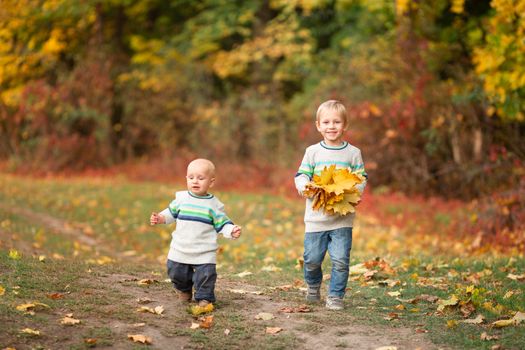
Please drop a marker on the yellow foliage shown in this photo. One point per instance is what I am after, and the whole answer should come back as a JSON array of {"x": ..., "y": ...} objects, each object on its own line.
[
  {"x": 334, "y": 190},
  {"x": 55, "y": 44},
  {"x": 458, "y": 6},
  {"x": 196, "y": 310}
]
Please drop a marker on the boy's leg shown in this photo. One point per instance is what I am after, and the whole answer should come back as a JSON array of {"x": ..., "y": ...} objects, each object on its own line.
[
  {"x": 181, "y": 276},
  {"x": 204, "y": 281},
  {"x": 339, "y": 247},
  {"x": 315, "y": 245}
]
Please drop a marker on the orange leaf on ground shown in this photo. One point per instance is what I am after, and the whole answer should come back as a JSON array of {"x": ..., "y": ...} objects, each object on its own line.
[
  {"x": 206, "y": 321},
  {"x": 139, "y": 338},
  {"x": 300, "y": 308},
  {"x": 273, "y": 330}
]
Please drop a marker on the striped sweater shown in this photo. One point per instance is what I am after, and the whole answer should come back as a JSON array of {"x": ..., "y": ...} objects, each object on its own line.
[
  {"x": 199, "y": 220},
  {"x": 315, "y": 159}
]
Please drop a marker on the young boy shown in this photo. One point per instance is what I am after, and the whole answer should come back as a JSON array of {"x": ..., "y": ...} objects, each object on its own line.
[
  {"x": 328, "y": 232},
  {"x": 200, "y": 217}
]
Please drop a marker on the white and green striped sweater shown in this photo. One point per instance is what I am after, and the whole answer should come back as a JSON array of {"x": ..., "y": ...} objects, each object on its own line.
[
  {"x": 199, "y": 220},
  {"x": 315, "y": 159}
]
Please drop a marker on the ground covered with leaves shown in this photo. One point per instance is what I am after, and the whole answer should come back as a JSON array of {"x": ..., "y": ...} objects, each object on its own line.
[{"x": 80, "y": 268}]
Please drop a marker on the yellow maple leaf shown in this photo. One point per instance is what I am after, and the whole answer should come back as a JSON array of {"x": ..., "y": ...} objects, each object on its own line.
[
  {"x": 197, "y": 310},
  {"x": 334, "y": 190},
  {"x": 14, "y": 254}
]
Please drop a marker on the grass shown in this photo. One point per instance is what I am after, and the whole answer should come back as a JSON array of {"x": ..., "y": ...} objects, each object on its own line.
[{"x": 115, "y": 212}]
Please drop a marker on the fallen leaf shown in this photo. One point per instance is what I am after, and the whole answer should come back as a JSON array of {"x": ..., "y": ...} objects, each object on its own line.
[
  {"x": 516, "y": 277},
  {"x": 139, "y": 338},
  {"x": 194, "y": 325},
  {"x": 55, "y": 296},
  {"x": 452, "y": 323},
  {"x": 273, "y": 330},
  {"x": 391, "y": 316},
  {"x": 69, "y": 321},
  {"x": 429, "y": 298},
  {"x": 90, "y": 341},
  {"x": 244, "y": 274},
  {"x": 519, "y": 317},
  {"x": 146, "y": 309},
  {"x": 146, "y": 282},
  {"x": 226, "y": 332},
  {"x": 15, "y": 255},
  {"x": 196, "y": 310},
  {"x": 30, "y": 331},
  {"x": 452, "y": 301},
  {"x": 358, "y": 269},
  {"x": 478, "y": 320},
  {"x": 394, "y": 294},
  {"x": 485, "y": 336},
  {"x": 271, "y": 268},
  {"x": 32, "y": 306},
  {"x": 503, "y": 323},
  {"x": 300, "y": 308},
  {"x": 144, "y": 300},
  {"x": 159, "y": 310},
  {"x": 265, "y": 316},
  {"x": 205, "y": 321},
  {"x": 2, "y": 290}
]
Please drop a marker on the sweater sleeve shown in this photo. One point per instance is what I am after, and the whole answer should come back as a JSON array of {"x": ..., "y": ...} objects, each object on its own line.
[
  {"x": 358, "y": 166},
  {"x": 305, "y": 173},
  {"x": 171, "y": 212},
  {"x": 221, "y": 222}
]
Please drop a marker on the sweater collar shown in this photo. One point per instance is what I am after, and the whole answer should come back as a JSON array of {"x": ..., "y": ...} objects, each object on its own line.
[
  {"x": 207, "y": 196},
  {"x": 324, "y": 145}
]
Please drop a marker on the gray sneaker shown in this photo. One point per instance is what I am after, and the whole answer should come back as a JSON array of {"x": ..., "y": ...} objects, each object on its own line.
[
  {"x": 313, "y": 294},
  {"x": 334, "y": 303}
]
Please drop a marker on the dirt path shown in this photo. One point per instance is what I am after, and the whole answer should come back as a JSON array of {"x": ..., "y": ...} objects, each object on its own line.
[{"x": 248, "y": 301}]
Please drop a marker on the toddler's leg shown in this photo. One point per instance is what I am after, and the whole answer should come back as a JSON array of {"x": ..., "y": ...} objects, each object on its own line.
[
  {"x": 181, "y": 276},
  {"x": 339, "y": 250},
  {"x": 315, "y": 245},
  {"x": 204, "y": 280}
]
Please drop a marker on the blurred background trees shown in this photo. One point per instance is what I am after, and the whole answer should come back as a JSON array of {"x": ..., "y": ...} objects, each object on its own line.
[{"x": 435, "y": 89}]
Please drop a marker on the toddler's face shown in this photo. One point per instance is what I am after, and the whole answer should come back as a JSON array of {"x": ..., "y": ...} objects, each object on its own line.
[
  {"x": 199, "y": 179},
  {"x": 332, "y": 126}
]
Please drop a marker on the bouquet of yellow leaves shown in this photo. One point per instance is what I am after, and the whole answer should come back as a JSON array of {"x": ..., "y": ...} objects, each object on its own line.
[{"x": 334, "y": 190}]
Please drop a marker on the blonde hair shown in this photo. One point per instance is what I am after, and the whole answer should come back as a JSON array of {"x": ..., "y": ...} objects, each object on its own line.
[
  {"x": 332, "y": 105},
  {"x": 208, "y": 164}
]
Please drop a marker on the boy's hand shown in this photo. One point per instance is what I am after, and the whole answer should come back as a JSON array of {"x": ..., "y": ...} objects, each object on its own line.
[
  {"x": 156, "y": 219},
  {"x": 236, "y": 232}
]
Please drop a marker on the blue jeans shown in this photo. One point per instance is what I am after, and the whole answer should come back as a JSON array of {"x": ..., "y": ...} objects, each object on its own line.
[
  {"x": 186, "y": 276},
  {"x": 338, "y": 242}
]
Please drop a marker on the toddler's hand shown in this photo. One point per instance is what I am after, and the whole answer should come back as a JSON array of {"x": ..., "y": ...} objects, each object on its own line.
[
  {"x": 236, "y": 232},
  {"x": 156, "y": 219}
]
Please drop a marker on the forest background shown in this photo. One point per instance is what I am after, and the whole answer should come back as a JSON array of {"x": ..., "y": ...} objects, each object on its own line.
[{"x": 435, "y": 92}]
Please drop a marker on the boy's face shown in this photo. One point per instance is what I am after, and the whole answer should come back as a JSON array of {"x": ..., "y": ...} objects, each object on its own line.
[
  {"x": 199, "y": 178},
  {"x": 332, "y": 126}
]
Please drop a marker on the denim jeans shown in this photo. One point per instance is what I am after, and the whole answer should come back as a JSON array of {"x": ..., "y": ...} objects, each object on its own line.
[
  {"x": 338, "y": 242},
  {"x": 186, "y": 276}
]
